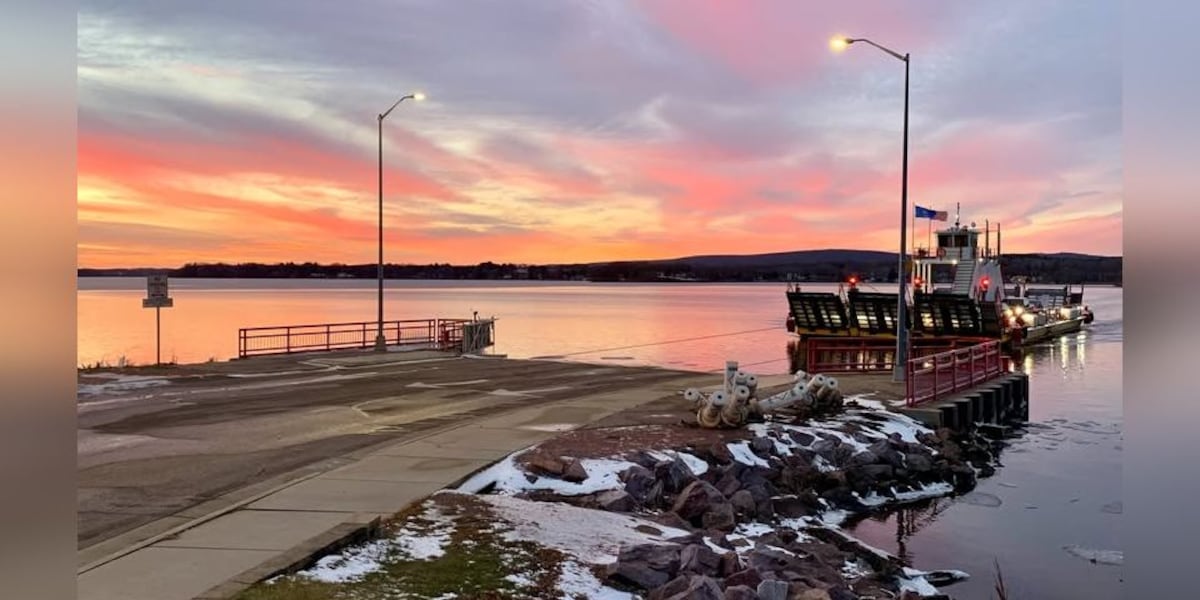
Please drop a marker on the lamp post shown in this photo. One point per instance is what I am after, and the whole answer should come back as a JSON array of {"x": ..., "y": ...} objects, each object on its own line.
[
  {"x": 380, "y": 340},
  {"x": 840, "y": 43}
]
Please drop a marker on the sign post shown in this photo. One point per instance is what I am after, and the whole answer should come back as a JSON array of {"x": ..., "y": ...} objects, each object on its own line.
[{"x": 157, "y": 298}]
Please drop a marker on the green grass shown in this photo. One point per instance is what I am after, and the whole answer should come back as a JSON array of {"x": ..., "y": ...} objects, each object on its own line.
[{"x": 475, "y": 562}]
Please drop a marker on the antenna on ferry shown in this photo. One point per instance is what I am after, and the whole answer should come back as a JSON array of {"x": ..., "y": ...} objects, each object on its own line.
[{"x": 957, "y": 209}]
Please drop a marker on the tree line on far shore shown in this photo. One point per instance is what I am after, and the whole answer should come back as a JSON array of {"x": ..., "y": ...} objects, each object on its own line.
[{"x": 813, "y": 266}]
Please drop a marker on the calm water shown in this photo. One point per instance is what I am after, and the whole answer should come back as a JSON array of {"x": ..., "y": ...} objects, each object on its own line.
[{"x": 1060, "y": 486}]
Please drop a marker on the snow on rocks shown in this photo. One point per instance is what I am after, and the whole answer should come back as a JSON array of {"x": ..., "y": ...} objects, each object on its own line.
[{"x": 508, "y": 478}]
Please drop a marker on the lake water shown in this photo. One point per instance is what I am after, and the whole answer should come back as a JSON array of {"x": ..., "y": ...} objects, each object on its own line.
[{"x": 1060, "y": 486}]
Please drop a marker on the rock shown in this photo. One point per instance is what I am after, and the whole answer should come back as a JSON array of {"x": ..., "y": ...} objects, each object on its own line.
[
  {"x": 862, "y": 458},
  {"x": 825, "y": 447},
  {"x": 877, "y": 472},
  {"x": 765, "y": 560},
  {"x": 700, "y": 588},
  {"x": 699, "y": 559},
  {"x": 764, "y": 510},
  {"x": 841, "y": 497},
  {"x": 740, "y": 592},
  {"x": 677, "y": 476},
  {"x": 719, "y": 517},
  {"x": 794, "y": 506},
  {"x": 918, "y": 463},
  {"x": 841, "y": 593},
  {"x": 547, "y": 465},
  {"x": 638, "y": 481},
  {"x": 730, "y": 564},
  {"x": 887, "y": 453},
  {"x": 801, "y": 438},
  {"x": 812, "y": 594},
  {"x": 951, "y": 451},
  {"x": 720, "y": 453},
  {"x": 729, "y": 483},
  {"x": 660, "y": 557},
  {"x": 698, "y": 498},
  {"x": 773, "y": 590},
  {"x": 615, "y": 501},
  {"x": 671, "y": 519},
  {"x": 743, "y": 503},
  {"x": 787, "y": 535},
  {"x": 574, "y": 471},
  {"x": 987, "y": 470},
  {"x": 637, "y": 574},
  {"x": 746, "y": 577},
  {"x": 762, "y": 446},
  {"x": 671, "y": 588},
  {"x": 655, "y": 496}
]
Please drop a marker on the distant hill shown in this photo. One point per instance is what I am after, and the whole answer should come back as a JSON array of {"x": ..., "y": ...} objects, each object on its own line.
[{"x": 803, "y": 265}]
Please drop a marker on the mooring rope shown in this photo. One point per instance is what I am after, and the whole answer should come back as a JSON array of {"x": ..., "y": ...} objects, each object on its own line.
[{"x": 693, "y": 339}]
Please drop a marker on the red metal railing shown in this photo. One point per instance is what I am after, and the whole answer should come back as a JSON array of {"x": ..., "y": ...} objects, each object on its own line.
[
  {"x": 939, "y": 375},
  {"x": 441, "y": 334}
]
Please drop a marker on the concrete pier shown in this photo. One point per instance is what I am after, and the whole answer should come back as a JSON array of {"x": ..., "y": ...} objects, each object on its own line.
[{"x": 996, "y": 402}]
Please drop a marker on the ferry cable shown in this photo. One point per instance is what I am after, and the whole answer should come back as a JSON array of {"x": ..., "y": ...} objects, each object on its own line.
[{"x": 703, "y": 337}]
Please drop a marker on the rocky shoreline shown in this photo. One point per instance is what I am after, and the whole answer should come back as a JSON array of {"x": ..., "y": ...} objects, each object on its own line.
[{"x": 761, "y": 505}]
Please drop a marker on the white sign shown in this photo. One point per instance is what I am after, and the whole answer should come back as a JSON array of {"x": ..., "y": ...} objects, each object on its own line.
[{"x": 156, "y": 293}]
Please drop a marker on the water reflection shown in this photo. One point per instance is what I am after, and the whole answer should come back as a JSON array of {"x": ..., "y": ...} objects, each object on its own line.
[{"x": 908, "y": 521}]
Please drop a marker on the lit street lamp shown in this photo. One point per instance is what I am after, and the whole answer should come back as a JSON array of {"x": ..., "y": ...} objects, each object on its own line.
[
  {"x": 380, "y": 341},
  {"x": 838, "y": 44}
]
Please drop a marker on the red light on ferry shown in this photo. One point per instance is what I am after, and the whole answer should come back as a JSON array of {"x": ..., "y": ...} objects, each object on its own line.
[
  {"x": 853, "y": 280},
  {"x": 983, "y": 283}
]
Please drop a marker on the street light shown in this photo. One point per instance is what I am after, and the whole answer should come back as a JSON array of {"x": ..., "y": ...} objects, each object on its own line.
[
  {"x": 380, "y": 341},
  {"x": 838, "y": 44}
]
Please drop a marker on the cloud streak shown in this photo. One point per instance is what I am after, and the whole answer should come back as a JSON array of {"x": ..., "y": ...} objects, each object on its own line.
[{"x": 586, "y": 130}]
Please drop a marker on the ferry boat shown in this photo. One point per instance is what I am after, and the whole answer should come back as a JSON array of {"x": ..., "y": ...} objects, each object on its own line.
[{"x": 975, "y": 307}]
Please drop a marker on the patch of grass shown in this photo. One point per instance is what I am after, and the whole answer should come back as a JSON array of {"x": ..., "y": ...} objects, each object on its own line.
[{"x": 475, "y": 564}]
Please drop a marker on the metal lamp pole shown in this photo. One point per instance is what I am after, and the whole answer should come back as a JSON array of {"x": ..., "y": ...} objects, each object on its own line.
[
  {"x": 380, "y": 340},
  {"x": 898, "y": 373}
]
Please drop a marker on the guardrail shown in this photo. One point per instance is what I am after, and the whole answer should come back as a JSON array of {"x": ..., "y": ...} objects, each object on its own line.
[
  {"x": 939, "y": 375},
  {"x": 440, "y": 334}
]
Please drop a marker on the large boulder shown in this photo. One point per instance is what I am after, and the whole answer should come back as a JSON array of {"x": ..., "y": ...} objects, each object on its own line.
[
  {"x": 762, "y": 446},
  {"x": 918, "y": 463},
  {"x": 615, "y": 501},
  {"x": 743, "y": 503},
  {"x": 670, "y": 589},
  {"x": 746, "y": 577},
  {"x": 699, "y": 559},
  {"x": 700, "y": 588},
  {"x": 773, "y": 590},
  {"x": 541, "y": 464},
  {"x": 674, "y": 474},
  {"x": 638, "y": 482},
  {"x": 740, "y": 592},
  {"x": 719, "y": 517},
  {"x": 698, "y": 498}
]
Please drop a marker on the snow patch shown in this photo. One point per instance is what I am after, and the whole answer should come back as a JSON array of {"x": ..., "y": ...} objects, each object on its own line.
[
  {"x": 694, "y": 463},
  {"x": 918, "y": 585},
  {"x": 350, "y": 564},
  {"x": 741, "y": 452},
  {"x": 592, "y": 536},
  {"x": 577, "y": 580}
]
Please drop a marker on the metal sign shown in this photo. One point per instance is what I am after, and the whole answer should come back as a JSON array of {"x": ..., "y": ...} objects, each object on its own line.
[
  {"x": 156, "y": 293},
  {"x": 157, "y": 298}
]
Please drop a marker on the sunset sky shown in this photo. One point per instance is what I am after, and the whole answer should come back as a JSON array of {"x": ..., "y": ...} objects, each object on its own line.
[{"x": 571, "y": 130}]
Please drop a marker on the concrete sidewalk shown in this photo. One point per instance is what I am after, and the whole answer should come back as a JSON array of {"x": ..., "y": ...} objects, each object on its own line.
[{"x": 218, "y": 556}]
